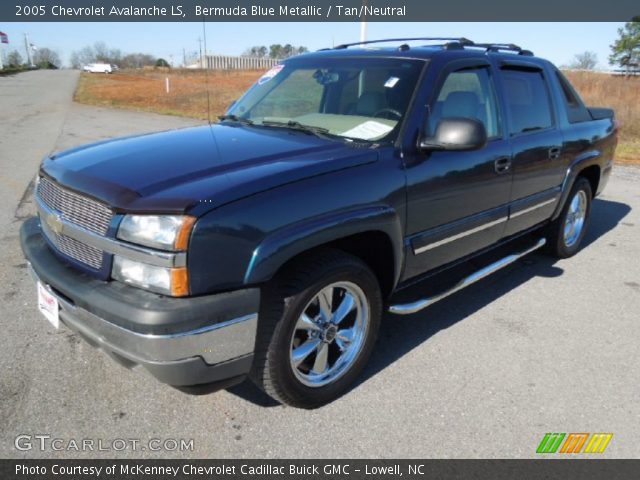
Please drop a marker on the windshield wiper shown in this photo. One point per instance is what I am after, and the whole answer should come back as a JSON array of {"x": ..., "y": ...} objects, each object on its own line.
[
  {"x": 234, "y": 118},
  {"x": 294, "y": 125}
]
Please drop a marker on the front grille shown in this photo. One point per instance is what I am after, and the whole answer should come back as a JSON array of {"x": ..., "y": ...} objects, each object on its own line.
[
  {"x": 78, "y": 210},
  {"x": 75, "y": 208},
  {"x": 73, "y": 248}
]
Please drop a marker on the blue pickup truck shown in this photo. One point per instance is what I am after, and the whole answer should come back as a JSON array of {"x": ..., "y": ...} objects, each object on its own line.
[{"x": 340, "y": 186}]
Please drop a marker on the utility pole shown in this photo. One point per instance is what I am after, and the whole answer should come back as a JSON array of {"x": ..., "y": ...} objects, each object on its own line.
[
  {"x": 363, "y": 38},
  {"x": 200, "y": 46},
  {"x": 363, "y": 25},
  {"x": 27, "y": 46}
]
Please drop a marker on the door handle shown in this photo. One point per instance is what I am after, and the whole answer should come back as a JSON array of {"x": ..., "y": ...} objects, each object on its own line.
[
  {"x": 554, "y": 153},
  {"x": 502, "y": 165}
]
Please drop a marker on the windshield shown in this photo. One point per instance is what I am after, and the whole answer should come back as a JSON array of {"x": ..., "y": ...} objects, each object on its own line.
[{"x": 354, "y": 98}]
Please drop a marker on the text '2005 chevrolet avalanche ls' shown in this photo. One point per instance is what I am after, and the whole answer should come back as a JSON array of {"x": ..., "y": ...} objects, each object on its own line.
[{"x": 342, "y": 184}]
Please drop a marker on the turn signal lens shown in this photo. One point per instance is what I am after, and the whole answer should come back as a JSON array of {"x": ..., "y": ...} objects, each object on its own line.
[
  {"x": 179, "y": 282},
  {"x": 182, "y": 238}
]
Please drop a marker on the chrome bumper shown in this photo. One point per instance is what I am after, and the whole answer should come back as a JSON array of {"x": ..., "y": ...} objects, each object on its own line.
[{"x": 215, "y": 344}]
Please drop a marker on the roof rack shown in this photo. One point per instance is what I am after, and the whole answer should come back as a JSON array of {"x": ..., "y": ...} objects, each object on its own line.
[
  {"x": 452, "y": 43},
  {"x": 461, "y": 40},
  {"x": 497, "y": 47}
]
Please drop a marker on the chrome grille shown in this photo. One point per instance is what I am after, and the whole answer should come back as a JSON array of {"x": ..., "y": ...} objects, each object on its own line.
[
  {"x": 75, "y": 208},
  {"x": 73, "y": 248},
  {"x": 78, "y": 210}
]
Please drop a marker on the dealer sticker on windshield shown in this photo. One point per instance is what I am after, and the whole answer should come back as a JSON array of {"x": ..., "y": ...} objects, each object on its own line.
[
  {"x": 270, "y": 74},
  {"x": 368, "y": 130},
  {"x": 48, "y": 305}
]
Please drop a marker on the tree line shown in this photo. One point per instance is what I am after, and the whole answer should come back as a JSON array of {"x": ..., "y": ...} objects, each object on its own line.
[
  {"x": 276, "y": 51},
  {"x": 99, "y": 52}
]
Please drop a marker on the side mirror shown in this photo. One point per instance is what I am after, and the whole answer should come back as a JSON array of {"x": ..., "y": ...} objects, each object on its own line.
[{"x": 457, "y": 134}]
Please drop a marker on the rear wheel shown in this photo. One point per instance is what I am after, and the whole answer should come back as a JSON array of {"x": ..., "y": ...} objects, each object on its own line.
[
  {"x": 565, "y": 234},
  {"x": 318, "y": 324}
]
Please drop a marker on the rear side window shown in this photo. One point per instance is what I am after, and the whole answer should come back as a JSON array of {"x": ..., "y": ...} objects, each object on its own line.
[
  {"x": 576, "y": 111},
  {"x": 527, "y": 99}
]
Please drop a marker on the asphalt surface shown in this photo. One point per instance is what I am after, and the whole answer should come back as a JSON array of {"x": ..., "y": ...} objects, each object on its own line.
[{"x": 544, "y": 346}]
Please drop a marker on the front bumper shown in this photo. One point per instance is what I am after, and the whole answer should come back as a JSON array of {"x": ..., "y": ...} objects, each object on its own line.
[{"x": 181, "y": 341}]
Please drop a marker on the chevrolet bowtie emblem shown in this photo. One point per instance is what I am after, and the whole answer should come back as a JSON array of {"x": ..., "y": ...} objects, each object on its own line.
[{"x": 55, "y": 223}]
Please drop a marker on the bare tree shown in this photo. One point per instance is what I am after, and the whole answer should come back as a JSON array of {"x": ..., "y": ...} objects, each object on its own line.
[
  {"x": 585, "y": 61},
  {"x": 46, "y": 58},
  {"x": 137, "y": 60},
  {"x": 100, "y": 52},
  {"x": 82, "y": 57}
]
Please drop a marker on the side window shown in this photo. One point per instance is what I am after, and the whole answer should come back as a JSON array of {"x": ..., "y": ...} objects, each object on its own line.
[
  {"x": 527, "y": 99},
  {"x": 468, "y": 93},
  {"x": 576, "y": 111}
]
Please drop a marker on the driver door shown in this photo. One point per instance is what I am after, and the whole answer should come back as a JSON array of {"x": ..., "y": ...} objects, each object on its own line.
[{"x": 457, "y": 200}]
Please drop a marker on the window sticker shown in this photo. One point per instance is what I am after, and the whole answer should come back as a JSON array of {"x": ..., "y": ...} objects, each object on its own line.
[
  {"x": 391, "y": 82},
  {"x": 368, "y": 130},
  {"x": 270, "y": 74}
]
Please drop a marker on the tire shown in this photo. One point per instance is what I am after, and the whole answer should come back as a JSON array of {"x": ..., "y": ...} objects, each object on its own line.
[
  {"x": 291, "y": 350},
  {"x": 564, "y": 236}
]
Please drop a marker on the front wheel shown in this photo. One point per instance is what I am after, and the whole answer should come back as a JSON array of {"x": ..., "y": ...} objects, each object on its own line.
[
  {"x": 565, "y": 234},
  {"x": 317, "y": 327}
]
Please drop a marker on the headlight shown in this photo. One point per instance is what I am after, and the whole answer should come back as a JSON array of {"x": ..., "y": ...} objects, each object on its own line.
[
  {"x": 165, "y": 232},
  {"x": 168, "y": 281}
]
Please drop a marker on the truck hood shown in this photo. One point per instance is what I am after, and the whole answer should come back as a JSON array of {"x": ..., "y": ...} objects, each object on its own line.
[{"x": 204, "y": 167}]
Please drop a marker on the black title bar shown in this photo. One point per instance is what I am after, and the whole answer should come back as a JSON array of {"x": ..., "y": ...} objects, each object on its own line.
[
  {"x": 584, "y": 469},
  {"x": 315, "y": 10}
]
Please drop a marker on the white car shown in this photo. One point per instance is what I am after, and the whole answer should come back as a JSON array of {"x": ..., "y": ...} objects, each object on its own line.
[{"x": 98, "y": 68}]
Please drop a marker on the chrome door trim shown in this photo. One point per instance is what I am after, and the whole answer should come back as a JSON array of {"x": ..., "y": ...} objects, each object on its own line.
[
  {"x": 532, "y": 208},
  {"x": 460, "y": 235}
]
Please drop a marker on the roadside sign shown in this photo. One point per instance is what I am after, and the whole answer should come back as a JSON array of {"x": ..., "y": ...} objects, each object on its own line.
[{"x": 4, "y": 38}]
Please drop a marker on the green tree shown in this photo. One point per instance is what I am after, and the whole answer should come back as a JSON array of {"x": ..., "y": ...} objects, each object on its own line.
[
  {"x": 256, "y": 51},
  {"x": 275, "y": 51},
  {"x": 625, "y": 51},
  {"x": 283, "y": 51},
  {"x": 14, "y": 59},
  {"x": 161, "y": 62}
]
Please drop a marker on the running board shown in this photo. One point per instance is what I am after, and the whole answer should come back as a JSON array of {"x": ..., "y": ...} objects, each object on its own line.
[{"x": 413, "y": 307}]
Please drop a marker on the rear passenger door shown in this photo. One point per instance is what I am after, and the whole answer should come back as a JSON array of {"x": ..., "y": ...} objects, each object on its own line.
[{"x": 536, "y": 142}]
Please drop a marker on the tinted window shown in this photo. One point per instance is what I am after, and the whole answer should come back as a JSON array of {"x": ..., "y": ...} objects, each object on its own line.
[
  {"x": 527, "y": 99},
  {"x": 576, "y": 111},
  {"x": 468, "y": 93},
  {"x": 363, "y": 99}
]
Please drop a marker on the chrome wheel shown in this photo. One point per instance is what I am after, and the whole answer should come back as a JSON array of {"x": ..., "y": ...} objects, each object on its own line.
[
  {"x": 329, "y": 334},
  {"x": 576, "y": 215}
]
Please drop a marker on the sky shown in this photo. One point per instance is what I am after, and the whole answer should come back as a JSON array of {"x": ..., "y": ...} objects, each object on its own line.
[{"x": 557, "y": 41}]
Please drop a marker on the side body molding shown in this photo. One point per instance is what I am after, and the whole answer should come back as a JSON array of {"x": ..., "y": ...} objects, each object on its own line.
[{"x": 284, "y": 244}]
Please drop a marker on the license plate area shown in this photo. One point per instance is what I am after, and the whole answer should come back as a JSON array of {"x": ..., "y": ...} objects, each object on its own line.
[{"x": 48, "y": 305}]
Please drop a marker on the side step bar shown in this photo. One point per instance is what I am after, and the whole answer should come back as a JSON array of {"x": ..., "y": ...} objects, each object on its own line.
[{"x": 413, "y": 307}]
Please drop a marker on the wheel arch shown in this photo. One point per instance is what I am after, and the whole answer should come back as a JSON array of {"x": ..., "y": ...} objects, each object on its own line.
[
  {"x": 587, "y": 167},
  {"x": 373, "y": 234}
]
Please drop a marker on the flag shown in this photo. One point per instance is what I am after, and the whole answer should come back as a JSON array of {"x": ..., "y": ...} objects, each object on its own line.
[{"x": 4, "y": 38}]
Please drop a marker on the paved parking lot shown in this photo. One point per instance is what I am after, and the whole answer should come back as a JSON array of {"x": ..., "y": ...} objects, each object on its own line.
[{"x": 540, "y": 347}]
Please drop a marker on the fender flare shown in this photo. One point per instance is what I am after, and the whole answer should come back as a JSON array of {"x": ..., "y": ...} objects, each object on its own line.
[
  {"x": 283, "y": 245},
  {"x": 585, "y": 160}
]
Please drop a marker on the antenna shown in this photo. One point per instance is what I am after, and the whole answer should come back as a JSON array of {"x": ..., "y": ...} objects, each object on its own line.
[{"x": 206, "y": 69}]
